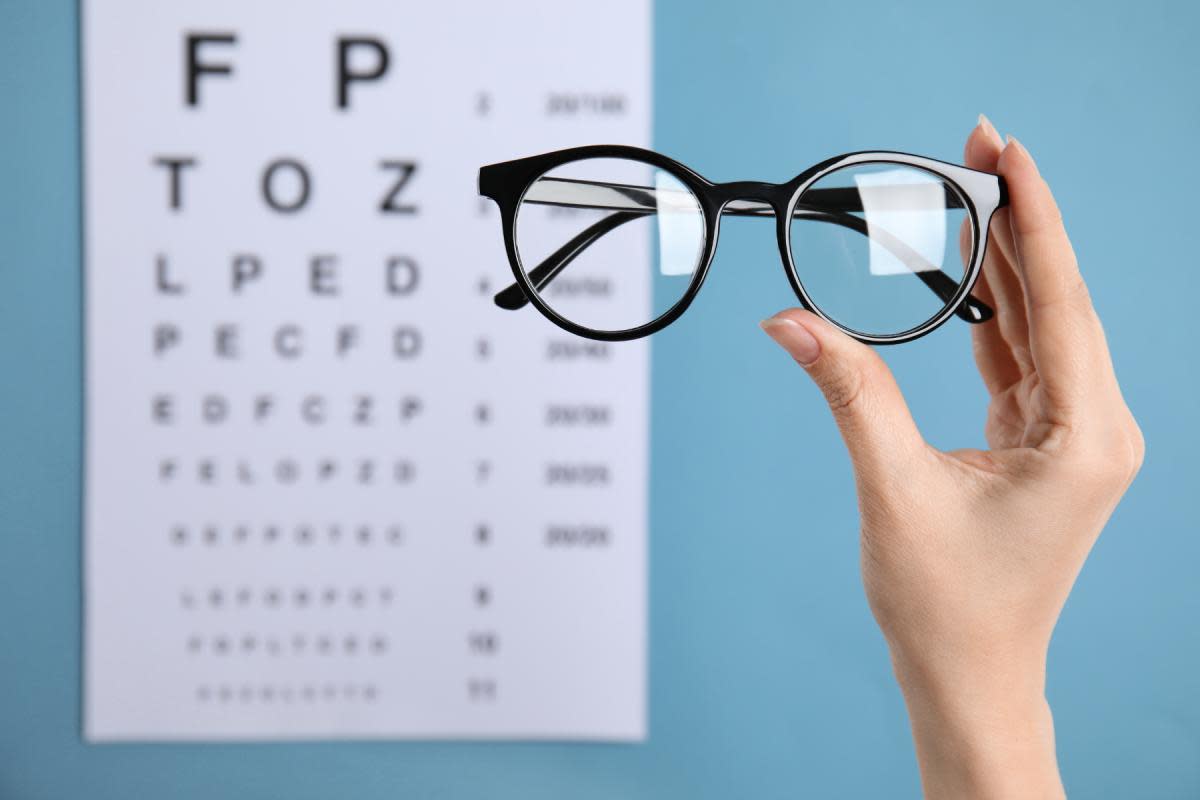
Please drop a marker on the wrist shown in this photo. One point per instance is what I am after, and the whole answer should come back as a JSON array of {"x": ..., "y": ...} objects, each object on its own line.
[{"x": 982, "y": 732}]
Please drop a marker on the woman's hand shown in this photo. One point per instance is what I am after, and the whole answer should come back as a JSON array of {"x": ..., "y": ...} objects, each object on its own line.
[{"x": 968, "y": 556}]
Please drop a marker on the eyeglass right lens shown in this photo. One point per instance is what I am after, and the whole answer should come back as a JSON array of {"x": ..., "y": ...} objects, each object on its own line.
[
  {"x": 877, "y": 246},
  {"x": 610, "y": 244}
]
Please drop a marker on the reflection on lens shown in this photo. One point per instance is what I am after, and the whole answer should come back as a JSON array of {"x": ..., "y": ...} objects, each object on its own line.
[
  {"x": 876, "y": 246},
  {"x": 609, "y": 244}
]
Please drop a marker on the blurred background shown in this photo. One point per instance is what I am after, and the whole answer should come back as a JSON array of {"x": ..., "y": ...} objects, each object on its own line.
[{"x": 768, "y": 677}]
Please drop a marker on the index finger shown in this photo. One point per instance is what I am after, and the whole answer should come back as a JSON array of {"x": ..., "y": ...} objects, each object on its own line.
[{"x": 1066, "y": 343}]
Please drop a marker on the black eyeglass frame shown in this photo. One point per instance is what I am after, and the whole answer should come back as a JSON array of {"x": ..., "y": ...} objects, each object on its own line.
[{"x": 980, "y": 194}]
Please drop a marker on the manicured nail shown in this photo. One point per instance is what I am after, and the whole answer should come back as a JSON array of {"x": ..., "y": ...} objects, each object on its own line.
[
  {"x": 987, "y": 127},
  {"x": 793, "y": 337}
]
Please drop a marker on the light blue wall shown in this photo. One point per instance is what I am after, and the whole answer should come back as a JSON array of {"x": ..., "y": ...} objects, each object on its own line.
[{"x": 768, "y": 678}]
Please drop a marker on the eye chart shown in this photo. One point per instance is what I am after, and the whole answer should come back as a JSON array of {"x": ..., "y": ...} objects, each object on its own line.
[{"x": 332, "y": 491}]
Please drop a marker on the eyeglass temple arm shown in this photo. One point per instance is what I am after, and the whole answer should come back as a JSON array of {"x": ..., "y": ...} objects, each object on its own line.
[
  {"x": 512, "y": 297},
  {"x": 970, "y": 310}
]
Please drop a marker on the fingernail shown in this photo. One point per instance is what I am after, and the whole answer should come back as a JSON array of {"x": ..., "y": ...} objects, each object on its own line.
[
  {"x": 793, "y": 337},
  {"x": 987, "y": 127},
  {"x": 1016, "y": 146}
]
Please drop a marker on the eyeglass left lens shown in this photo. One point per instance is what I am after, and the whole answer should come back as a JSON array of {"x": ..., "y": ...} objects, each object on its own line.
[{"x": 609, "y": 244}]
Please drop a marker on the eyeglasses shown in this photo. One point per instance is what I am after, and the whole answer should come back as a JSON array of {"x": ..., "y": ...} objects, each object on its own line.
[{"x": 886, "y": 246}]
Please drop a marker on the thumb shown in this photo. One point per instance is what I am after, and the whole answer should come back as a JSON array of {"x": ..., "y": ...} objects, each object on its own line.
[{"x": 862, "y": 394}]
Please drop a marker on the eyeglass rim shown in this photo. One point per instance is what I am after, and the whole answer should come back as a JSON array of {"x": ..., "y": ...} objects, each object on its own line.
[
  {"x": 507, "y": 183},
  {"x": 965, "y": 285}
]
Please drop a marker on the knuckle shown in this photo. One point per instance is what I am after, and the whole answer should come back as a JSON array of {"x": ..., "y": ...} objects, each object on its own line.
[
  {"x": 1022, "y": 354},
  {"x": 1045, "y": 221},
  {"x": 1111, "y": 460},
  {"x": 1100, "y": 466},
  {"x": 1049, "y": 214},
  {"x": 1075, "y": 290},
  {"x": 1116, "y": 474},
  {"x": 1077, "y": 293},
  {"x": 1071, "y": 292},
  {"x": 1137, "y": 448},
  {"x": 844, "y": 392},
  {"x": 1052, "y": 218}
]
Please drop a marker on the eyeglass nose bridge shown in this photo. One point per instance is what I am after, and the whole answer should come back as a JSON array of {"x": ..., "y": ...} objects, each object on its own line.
[{"x": 747, "y": 193}]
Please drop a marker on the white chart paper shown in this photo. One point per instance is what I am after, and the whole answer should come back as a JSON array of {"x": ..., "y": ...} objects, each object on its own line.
[{"x": 332, "y": 490}]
